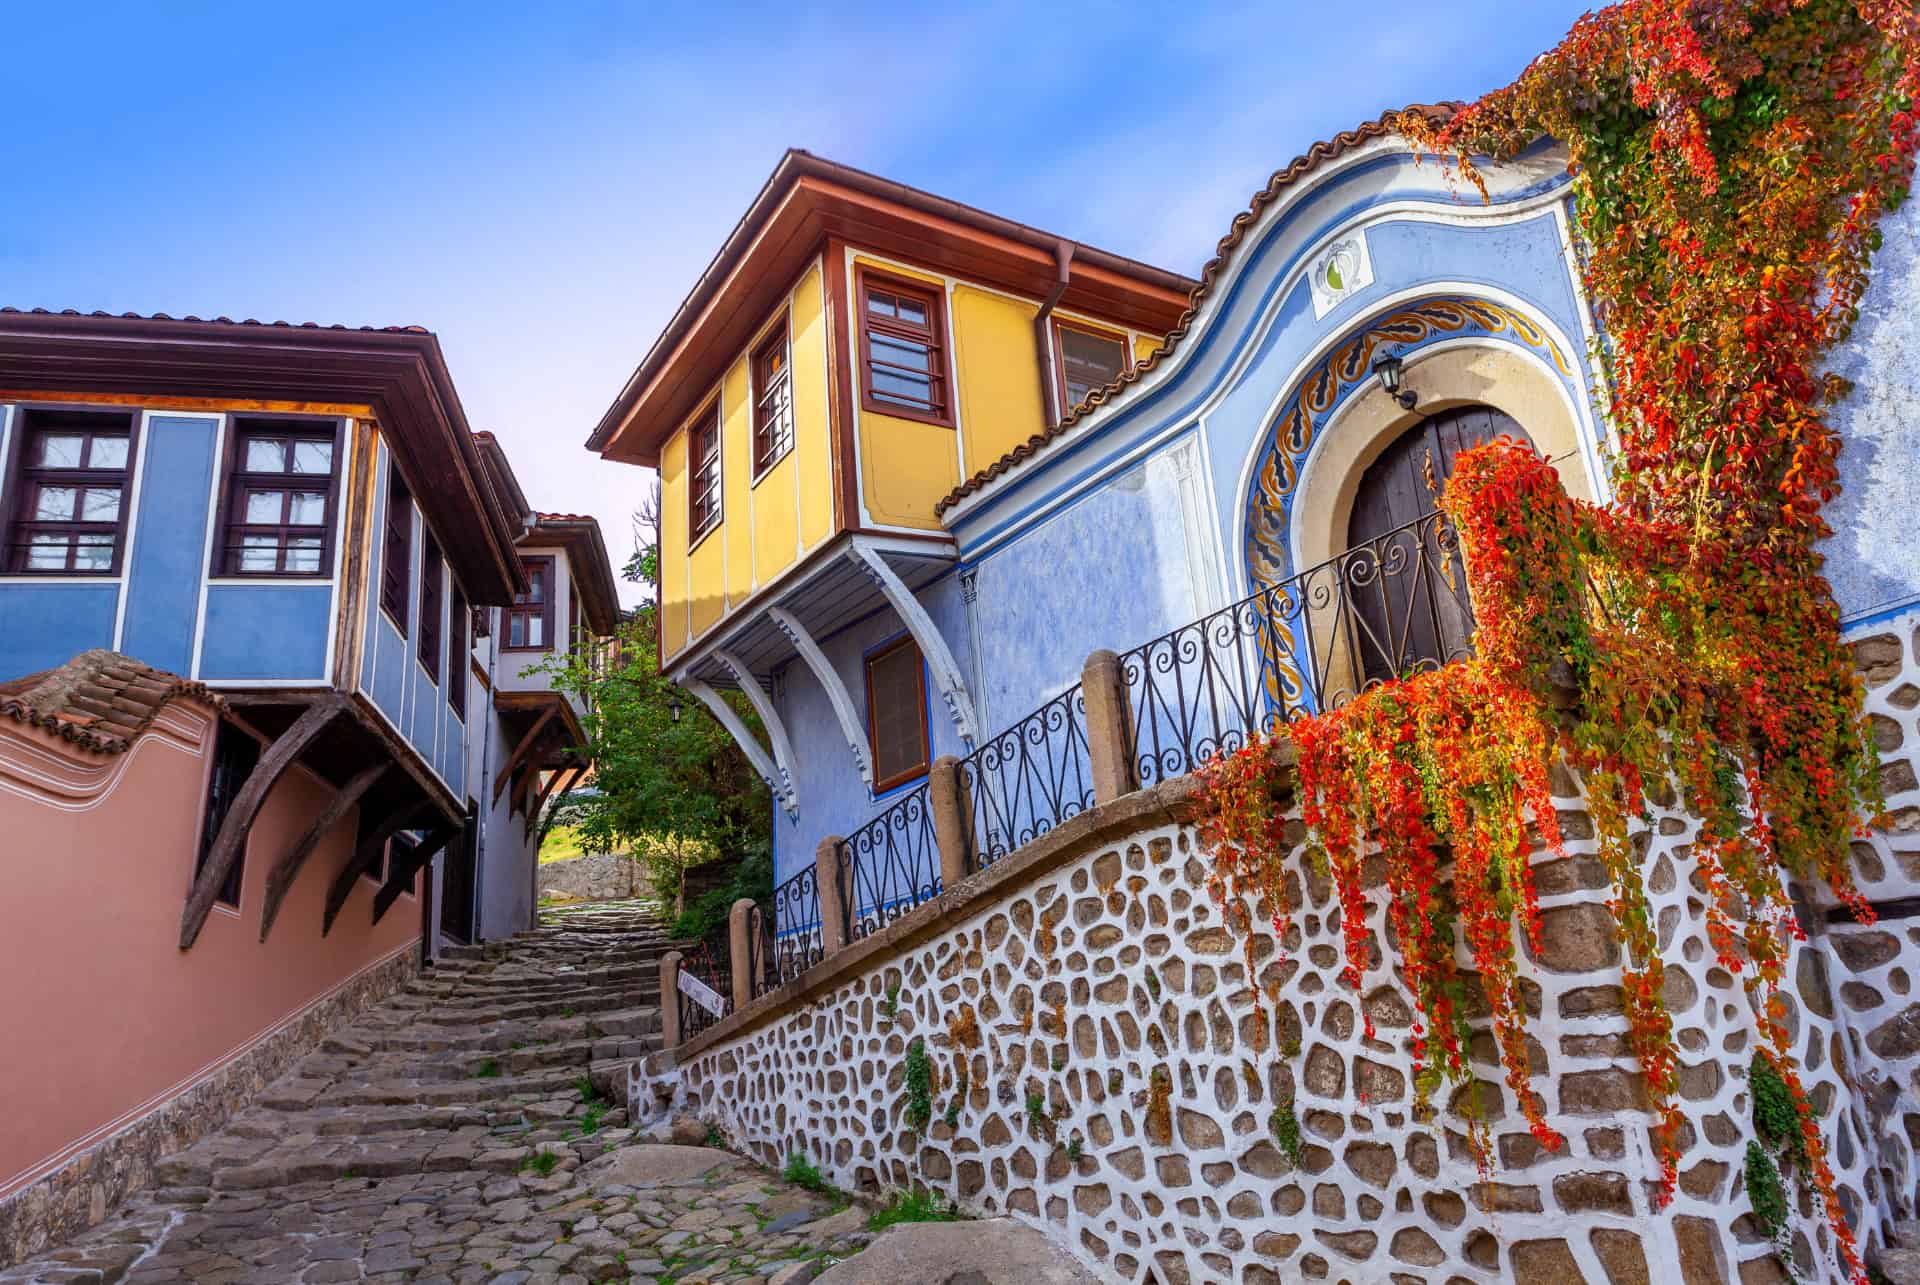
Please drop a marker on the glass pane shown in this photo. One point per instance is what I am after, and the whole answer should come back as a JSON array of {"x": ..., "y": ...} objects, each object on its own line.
[
  {"x": 47, "y": 552},
  {"x": 108, "y": 452},
  {"x": 62, "y": 450},
  {"x": 1088, "y": 362},
  {"x": 309, "y": 508},
  {"x": 259, "y": 553},
  {"x": 100, "y": 504},
  {"x": 536, "y": 631},
  {"x": 303, "y": 554},
  {"x": 908, "y": 390},
  {"x": 92, "y": 552},
  {"x": 902, "y": 352},
  {"x": 914, "y": 310},
  {"x": 880, "y": 303},
  {"x": 266, "y": 455},
  {"x": 265, "y": 507},
  {"x": 537, "y": 584},
  {"x": 516, "y": 631},
  {"x": 313, "y": 457},
  {"x": 54, "y": 504}
]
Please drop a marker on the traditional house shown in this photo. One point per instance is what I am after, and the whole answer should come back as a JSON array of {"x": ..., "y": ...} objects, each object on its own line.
[
  {"x": 854, "y": 352},
  {"x": 267, "y": 602}
]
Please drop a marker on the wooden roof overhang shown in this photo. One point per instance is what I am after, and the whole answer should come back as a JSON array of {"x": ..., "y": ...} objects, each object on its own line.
[
  {"x": 543, "y": 735},
  {"x": 345, "y": 743},
  {"x": 591, "y": 569},
  {"x": 399, "y": 373},
  {"x": 808, "y": 200}
]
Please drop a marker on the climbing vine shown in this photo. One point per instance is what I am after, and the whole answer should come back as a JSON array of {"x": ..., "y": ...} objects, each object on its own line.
[{"x": 1730, "y": 160}]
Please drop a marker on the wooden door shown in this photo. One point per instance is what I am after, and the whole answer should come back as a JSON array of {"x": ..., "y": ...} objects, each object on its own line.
[
  {"x": 1401, "y": 574},
  {"x": 457, "y": 879}
]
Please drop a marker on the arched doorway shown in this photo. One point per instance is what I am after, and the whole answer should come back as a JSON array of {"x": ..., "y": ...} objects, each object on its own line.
[{"x": 1401, "y": 574}]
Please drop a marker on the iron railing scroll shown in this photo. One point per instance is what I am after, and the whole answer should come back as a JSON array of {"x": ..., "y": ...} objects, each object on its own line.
[
  {"x": 711, "y": 960},
  {"x": 788, "y": 941},
  {"x": 1028, "y": 779},
  {"x": 1387, "y": 608},
  {"x": 890, "y": 865}
]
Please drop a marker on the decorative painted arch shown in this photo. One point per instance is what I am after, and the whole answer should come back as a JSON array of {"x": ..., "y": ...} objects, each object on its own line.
[{"x": 1320, "y": 393}]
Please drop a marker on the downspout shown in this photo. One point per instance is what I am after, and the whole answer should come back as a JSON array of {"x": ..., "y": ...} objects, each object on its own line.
[
  {"x": 1062, "y": 263},
  {"x": 483, "y": 819}
]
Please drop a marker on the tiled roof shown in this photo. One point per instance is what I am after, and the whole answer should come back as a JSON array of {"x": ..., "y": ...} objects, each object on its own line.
[
  {"x": 564, "y": 517},
  {"x": 99, "y": 700},
  {"x": 213, "y": 321},
  {"x": 1301, "y": 166}
]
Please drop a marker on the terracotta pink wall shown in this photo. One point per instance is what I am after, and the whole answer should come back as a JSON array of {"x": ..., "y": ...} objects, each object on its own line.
[{"x": 102, "y": 1012}]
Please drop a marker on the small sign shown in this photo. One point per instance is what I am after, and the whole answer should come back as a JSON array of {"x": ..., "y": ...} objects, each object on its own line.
[{"x": 702, "y": 994}]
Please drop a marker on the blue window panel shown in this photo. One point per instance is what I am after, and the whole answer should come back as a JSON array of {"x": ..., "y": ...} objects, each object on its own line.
[
  {"x": 376, "y": 621},
  {"x": 169, "y": 542},
  {"x": 267, "y": 631},
  {"x": 48, "y": 624}
]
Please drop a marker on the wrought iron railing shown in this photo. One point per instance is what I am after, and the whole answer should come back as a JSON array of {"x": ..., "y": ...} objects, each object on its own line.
[
  {"x": 890, "y": 865},
  {"x": 1028, "y": 779},
  {"x": 788, "y": 941},
  {"x": 711, "y": 960},
  {"x": 1390, "y": 607}
]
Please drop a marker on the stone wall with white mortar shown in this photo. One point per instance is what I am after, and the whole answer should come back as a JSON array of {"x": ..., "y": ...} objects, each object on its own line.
[{"x": 1081, "y": 984}]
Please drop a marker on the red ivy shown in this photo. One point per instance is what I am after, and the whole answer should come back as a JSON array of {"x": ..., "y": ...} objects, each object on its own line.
[{"x": 1731, "y": 159}]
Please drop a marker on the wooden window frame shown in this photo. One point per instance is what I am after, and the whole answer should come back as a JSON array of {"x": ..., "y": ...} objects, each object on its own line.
[
  {"x": 545, "y": 612},
  {"x": 1060, "y": 354},
  {"x": 882, "y": 785},
  {"x": 773, "y": 429},
  {"x": 236, "y": 481},
  {"x": 698, "y": 463},
  {"x": 433, "y": 580},
  {"x": 396, "y": 549},
  {"x": 934, "y": 334},
  {"x": 459, "y": 651},
  {"x": 232, "y": 733},
  {"x": 16, "y": 521}
]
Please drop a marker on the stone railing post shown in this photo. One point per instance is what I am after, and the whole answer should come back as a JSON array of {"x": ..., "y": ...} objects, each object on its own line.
[
  {"x": 670, "y": 999},
  {"x": 1106, "y": 696},
  {"x": 947, "y": 799},
  {"x": 740, "y": 947},
  {"x": 833, "y": 902}
]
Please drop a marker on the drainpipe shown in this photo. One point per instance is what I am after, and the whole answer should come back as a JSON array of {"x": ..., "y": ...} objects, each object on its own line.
[
  {"x": 1062, "y": 262},
  {"x": 484, "y": 814}
]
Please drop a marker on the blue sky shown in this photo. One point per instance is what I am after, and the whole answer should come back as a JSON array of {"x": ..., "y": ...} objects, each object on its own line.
[{"x": 540, "y": 184}]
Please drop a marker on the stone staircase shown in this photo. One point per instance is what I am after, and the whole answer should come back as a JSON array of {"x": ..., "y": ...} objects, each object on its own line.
[{"x": 495, "y": 1055}]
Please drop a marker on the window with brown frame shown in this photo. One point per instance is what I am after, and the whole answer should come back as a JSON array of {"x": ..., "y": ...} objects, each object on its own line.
[
  {"x": 897, "y": 714},
  {"x": 458, "y": 653},
  {"x": 1084, "y": 360},
  {"x": 235, "y": 755},
  {"x": 69, "y": 492},
  {"x": 903, "y": 354},
  {"x": 529, "y": 622},
  {"x": 703, "y": 486},
  {"x": 772, "y": 402},
  {"x": 396, "y": 556},
  {"x": 281, "y": 484},
  {"x": 431, "y": 573}
]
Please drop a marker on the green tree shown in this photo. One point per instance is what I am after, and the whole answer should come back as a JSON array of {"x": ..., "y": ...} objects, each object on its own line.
[{"x": 658, "y": 777}]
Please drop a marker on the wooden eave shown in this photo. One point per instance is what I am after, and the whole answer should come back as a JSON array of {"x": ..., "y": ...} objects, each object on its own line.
[
  {"x": 587, "y": 560},
  {"x": 808, "y": 201},
  {"x": 400, "y": 373}
]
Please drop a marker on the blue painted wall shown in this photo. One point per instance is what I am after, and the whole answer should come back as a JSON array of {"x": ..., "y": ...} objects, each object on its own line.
[
  {"x": 266, "y": 632},
  {"x": 47, "y": 624},
  {"x": 833, "y": 798},
  {"x": 169, "y": 547}
]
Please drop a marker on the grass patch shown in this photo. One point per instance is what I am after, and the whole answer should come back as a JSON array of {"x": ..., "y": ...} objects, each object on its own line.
[
  {"x": 561, "y": 844},
  {"x": 542, "y": 1164},
  {"x": 914, "y": 1207},
  {"x": 488, "y": 1070},
  {"x": 802, "y": 1172}
]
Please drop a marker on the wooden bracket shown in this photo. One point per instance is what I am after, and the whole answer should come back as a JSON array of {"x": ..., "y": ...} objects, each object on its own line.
[
  {"x": 232, "y": 839},
  {"x": 400, "y": 877},
  {"x": 365, "y": 853},
  {"x": 524, "y": 748},
  {"x": 281, "y": 878}
]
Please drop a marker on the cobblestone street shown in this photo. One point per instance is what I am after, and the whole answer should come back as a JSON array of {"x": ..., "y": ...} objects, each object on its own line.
[{"x": 461, "y": 1133}]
